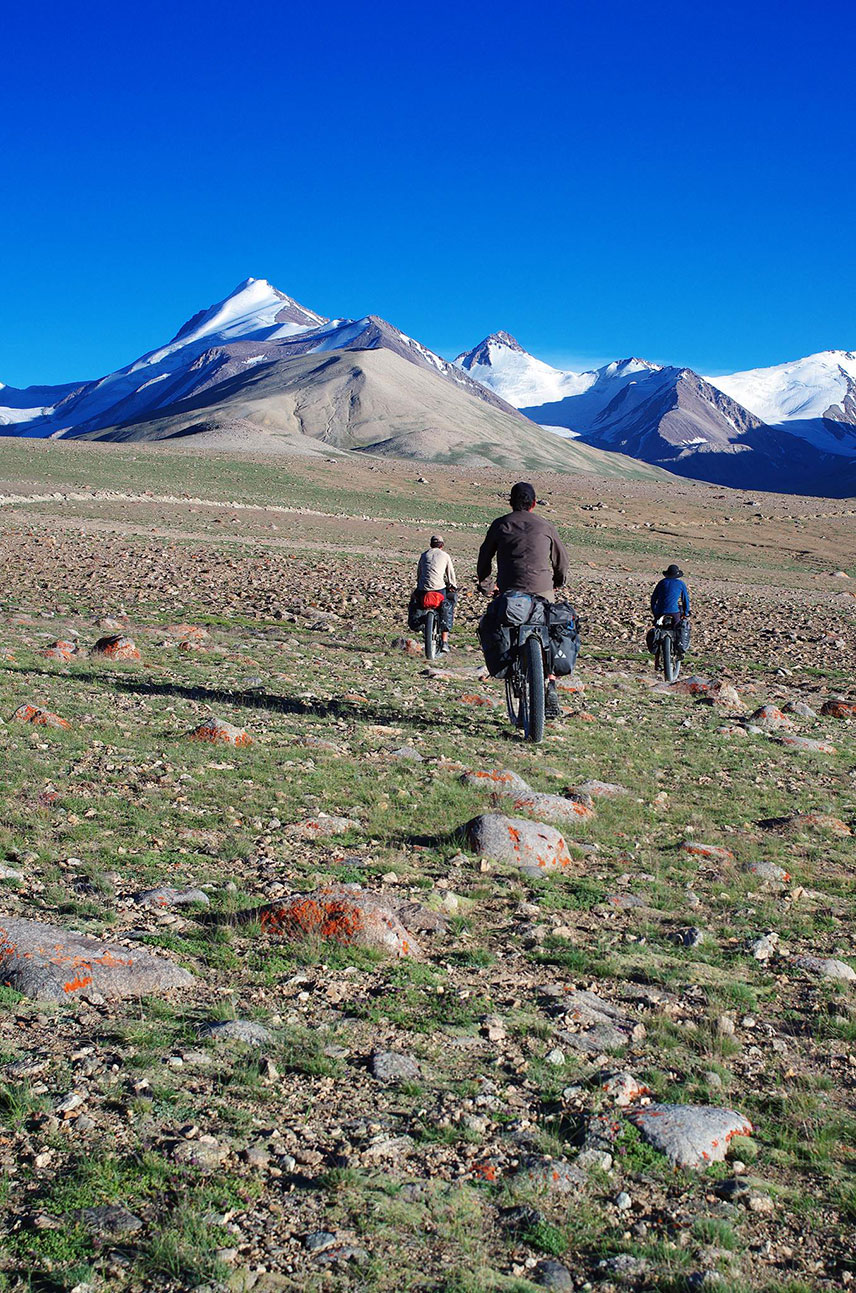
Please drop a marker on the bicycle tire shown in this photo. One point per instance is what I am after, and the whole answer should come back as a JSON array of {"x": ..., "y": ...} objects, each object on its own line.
[
  {"x": 512, "y": 705},
  {"x": 430, "y": 635},
  {"x": 671, "y": 665},
  {"x": 536, "y": 687}
]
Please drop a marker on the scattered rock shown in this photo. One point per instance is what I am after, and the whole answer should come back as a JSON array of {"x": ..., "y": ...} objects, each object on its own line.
[
  {"x": 806, "y": 744},
  {"x": 553, "y": 1275},
  {"x": 770, "y": 719},
  {"x": 109, "y": 1219},
  {"x": 390, "y": 1067},
  {"x": 47, "y": 961},
  {"x": 692, "y": 936},
  {"x": 690, "y": 1135},
  {"x": 116, "y": 647},
  {"x": 564, "y": 810},
  {"x": 499, "y": 780},
  {"x": 406, "y": 754},
  {"x": 165, "y": 897},
  {"x": 321, "y": 827},
  {"x": 551, "y": 1175},
  {"x": 715, "y": 852},
  {"x": 768, "y": 871},
  {"x": 765, "y": 947},
  {"x": 537, "y": 849},
  {"x": 39, "y": 717},
  {"x": 341, "y": 915},
  {"x": 216, "y": 730},
  {"x": 602, "y": 789},
  {"x": 237, "y": 1030},
  {"x": 825, "y": 967},
  {"x": 838, "y": 709}
]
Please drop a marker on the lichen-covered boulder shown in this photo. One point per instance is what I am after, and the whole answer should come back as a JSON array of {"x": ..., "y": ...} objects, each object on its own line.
[
  {"x": 218, "y": 731},
  {"x": 56, "y": 964},
  {"x": 29, "y": 713},
  {"x": 839, "y": 709},
  {"x": 347, "y": 916},
  {"x": 713, "y": 852},
  {"x": 537, "y": 849},
  {"x": 116, "y": 647},
  {"x": 690, "y": 1135}
]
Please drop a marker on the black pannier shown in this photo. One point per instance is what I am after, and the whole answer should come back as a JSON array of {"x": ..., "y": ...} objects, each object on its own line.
[
  {"x": 495, "y": 637},
  {"x": 415, "y": 611},
  {"x": 564, "y": 634}
]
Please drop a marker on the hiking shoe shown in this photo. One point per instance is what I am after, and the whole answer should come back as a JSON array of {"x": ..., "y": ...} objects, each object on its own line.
[
  {"x": 445, "y": 648},
  {"x": 552, "y": 708}
]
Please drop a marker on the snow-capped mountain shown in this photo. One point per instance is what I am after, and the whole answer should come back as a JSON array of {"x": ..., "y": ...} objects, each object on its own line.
[
  {"x": 255, "y": 325},
  {"x": 813, "y": 398},
  {"x": 258, "y": 371},
  {"x": 749, "y": 429}
]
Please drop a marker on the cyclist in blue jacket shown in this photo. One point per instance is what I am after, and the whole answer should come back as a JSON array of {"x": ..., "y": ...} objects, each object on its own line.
[{"x": 671, "y": 597}]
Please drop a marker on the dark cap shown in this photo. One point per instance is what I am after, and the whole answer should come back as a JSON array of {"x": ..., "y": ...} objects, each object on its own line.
[
  {"x": 674, "y": 572},
  {"x": 436, "y": 541},
  {"x": 522, "y": 495}
]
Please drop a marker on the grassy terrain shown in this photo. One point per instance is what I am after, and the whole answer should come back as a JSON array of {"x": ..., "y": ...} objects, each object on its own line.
[{"x": 416, "y": 1181}]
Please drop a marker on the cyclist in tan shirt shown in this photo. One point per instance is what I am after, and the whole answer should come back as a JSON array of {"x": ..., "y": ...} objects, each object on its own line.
[{"x": 436, "y": 574}]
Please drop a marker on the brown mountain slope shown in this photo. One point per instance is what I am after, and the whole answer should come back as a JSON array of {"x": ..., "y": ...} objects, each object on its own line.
[{"x": 373, "y": 401}]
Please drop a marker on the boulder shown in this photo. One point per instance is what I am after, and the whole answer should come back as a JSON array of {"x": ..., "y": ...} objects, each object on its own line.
[
  {"x": 62, "y": 649},
  {"x": 551, "y": 1176},
  {"x": 826, "y": 967},
  {"x": 714, "y": 852},
  {"x": 343, "y": 915},
  {"x": 29, "y": 713},
  {"x": 839, "y": 709},
  {"x": 500, "y": 780},
  {"x": 217, "y": 730},
  {"x": 537, "y": 849},
  {"x": 690, "y": 1135},
  {"x": 165, "y": 897},
  {"x": 770, "y": 719},
  {"x": 116, "y": 647},
  {"x": 768, "y": 871},
  {"x": 819, "y": 822},
  {"x": 321, "y": 826},
  {"x": 237, "y": 1030},
  {"x": 563, "y": 810},
  {"x": 47, "y": 961},
  {"x": 391, "y": 1067},
  {"x": 602, "y": 789},
  {"x": 806, "y": 744}
]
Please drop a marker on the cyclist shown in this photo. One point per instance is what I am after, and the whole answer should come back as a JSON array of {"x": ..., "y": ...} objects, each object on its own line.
[
  {"x": 530, "y": 557},
  {"x": 436, "y": 574},
  {"x": 671, "y": 597}
]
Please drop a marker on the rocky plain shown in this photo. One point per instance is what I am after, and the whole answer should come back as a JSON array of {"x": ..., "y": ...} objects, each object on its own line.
[{"x": 314, "y": 976}]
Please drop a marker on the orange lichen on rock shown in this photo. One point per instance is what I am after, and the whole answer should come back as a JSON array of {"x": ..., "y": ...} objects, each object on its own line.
[
  {"x": 349, "y": 917},
  {"x": 838, "y": 709},
  {"x": 715, "y": 852},
  {"x": 62, "y": 649},
  {"x": 39, "y": 717},
  {"x": 216, "y": 730},
  {"x": 116, "y": 647}
]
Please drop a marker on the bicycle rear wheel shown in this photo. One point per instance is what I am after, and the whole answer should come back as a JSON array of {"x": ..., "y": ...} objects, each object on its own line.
[
  {"x": 671, "y": 664},
  {"x": 430, "y": 635},
  {"x": 536, "y": 688}
]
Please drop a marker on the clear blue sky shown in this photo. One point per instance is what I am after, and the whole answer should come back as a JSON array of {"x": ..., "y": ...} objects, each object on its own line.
[{"x": 668, "y": 179}]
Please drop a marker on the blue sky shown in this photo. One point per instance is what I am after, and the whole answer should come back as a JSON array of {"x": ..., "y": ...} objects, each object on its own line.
[{"x": 663, "y": 179}]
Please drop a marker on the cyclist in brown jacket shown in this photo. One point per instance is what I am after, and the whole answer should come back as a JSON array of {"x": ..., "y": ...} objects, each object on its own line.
[{"x": 530, "y": 557}]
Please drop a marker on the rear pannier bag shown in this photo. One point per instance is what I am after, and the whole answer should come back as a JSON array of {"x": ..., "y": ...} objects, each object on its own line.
[
  {"x": 432, "y": 599},
  {"x": 564, "y": 637},
  {"x": 498, "y": 624},
  {"x": 415, "y": 612},
  {"x": 495, "y": 637}
]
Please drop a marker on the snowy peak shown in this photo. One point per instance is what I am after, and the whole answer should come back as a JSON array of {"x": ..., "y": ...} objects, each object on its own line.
[
  {"x": 484, "y": 354},
  {"x": 254, "y": 305},
  {"x": 814, "y": 397}
]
